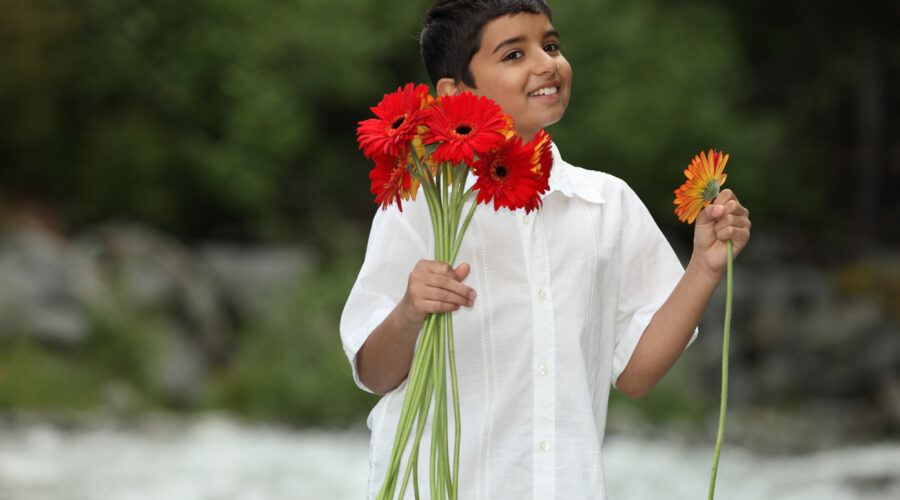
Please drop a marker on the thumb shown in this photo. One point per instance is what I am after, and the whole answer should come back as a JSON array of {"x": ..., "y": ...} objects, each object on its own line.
[{"x": 462, "y": 271}]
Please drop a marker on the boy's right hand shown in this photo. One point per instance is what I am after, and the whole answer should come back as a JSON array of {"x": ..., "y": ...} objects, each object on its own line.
[{"x": 435, "y": 287}]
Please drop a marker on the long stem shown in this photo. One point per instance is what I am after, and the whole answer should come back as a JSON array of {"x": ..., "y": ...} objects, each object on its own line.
[
  {"x": 462, "y": 230},
  {"x": 445, "y": 459},
  {"x": 440, "y": 407},
  {"x": 724, "y": 398},
  {"x": 460, "y": 195},
  {"x": 432, "y": 464},
  {"x": 421, "y": 365},
  {"x": 454, "y": 491},
  {"x": 414, "y": 453}
]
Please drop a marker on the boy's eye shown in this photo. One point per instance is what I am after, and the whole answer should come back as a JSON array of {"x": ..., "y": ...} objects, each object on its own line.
[
  {"x": 552, "y": 47},
  {"x": 512, "y": 55}
]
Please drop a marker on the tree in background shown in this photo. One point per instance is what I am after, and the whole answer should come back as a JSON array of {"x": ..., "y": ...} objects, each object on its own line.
[{"x": 235, "y": 119}]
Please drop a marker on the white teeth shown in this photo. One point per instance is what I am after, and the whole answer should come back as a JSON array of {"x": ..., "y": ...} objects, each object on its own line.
[{"x": 546, "y": 91}]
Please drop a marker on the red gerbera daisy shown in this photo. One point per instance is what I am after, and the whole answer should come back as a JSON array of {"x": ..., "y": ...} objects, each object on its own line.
[
  {"x": 399, "y": 115},
  {"x": 391, "y": 180},
  {"x": 505, "y": 176},
  {"x": 465, "y": 125}
]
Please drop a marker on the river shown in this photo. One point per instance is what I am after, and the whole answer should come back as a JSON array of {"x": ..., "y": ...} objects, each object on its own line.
[{"x": 215, "y": 457}]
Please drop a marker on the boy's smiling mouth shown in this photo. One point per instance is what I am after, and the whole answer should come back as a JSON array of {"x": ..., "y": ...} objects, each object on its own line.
[{"x": 546, "y": 90}]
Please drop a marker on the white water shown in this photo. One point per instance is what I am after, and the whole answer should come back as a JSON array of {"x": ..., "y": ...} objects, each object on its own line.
[{"x": 215, "y": 458}]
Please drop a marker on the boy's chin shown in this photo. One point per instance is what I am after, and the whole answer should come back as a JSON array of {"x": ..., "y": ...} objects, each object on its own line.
[{"x": 552, "y": 122}]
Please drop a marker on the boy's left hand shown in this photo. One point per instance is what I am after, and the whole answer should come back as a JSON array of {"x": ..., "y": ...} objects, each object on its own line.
[{"x": 722, "y": 220}]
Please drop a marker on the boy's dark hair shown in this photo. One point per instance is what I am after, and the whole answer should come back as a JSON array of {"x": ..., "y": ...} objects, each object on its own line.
[{"x": 452, "y": 29}]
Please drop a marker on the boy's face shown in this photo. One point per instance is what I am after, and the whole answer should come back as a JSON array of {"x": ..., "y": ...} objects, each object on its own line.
[{"x": 520, "y": 67}]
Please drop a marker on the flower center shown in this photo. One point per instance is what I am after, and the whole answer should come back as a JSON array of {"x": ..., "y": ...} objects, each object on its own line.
[
  {"x": 463, "y": 130},
  {"x": 499, "y": 172},
  {"x": 398, "y": 122},
  {"x": 711, "y": 190}
]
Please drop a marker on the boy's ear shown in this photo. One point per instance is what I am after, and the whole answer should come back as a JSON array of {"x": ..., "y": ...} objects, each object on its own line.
[{"x": 447, "y": 86}]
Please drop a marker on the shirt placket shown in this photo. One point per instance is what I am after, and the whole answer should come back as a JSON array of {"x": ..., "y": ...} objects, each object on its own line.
[{"x": 543, "y": 362}]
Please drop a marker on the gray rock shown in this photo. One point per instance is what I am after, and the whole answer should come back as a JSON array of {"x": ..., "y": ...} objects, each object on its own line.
[
  {"x": 44, "y": 287},
  {"x": 179, "y": 371},
  {"x": 157, "y": 275},
  {"x": 254, "y": 279}
]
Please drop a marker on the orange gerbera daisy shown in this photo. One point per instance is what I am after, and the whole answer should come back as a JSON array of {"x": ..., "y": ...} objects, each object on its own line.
[
  {"x": 505, "y": 176},
  {"x": 391, "y": 180},
  {"x": 464, "y": 125},
  {"x": 705, "y": 176},
  {"x": 542, "y": 160},
  {"x": 418, "y": 145},
  {"x": 399, "y": 115}
]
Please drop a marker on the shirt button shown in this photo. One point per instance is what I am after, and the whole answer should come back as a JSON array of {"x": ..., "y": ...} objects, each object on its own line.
[
  {"x": 543, "y": 370},
  {"x": 526, "y": 219},
  {"x": 541, "y": 295},
  {"x": 545, "y": 446}
]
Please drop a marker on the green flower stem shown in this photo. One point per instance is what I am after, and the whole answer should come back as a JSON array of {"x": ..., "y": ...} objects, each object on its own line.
[
  {"x": 462, "y": 231},
  {"x": 416, "y": 389},
  {"x": 413, "y": 463},
  {"x": 437, "y": 421},
  {"x": 724, "y": 398},
  {"x": 454, "y": 490},
  {"x": 447, "y": 213},
  {"x": 406, "y": 415},
  {"x": 432, "y": 469},
  {"x": 459, "y": 197},
  {"x": 460, "y": 175},
  {"x": 441, "y": 404}
]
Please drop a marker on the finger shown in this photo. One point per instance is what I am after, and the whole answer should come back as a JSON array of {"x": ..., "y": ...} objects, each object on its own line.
[
  {"x": 436, "y": 267},
  {"x": 735, "y": 207},
  {"x": 724, "y": 197},
  {"x": 436, "y": 306},
  {"x": 424, "y": 299},
  {"x": 734, "y": 233},
  {"x": 436, "y": 276},
  {"x": 709, "y": 214},
  {"x": 731, "y": 220},
  {"x": 465, "y": 293},
  {"x": 446, "y": 296},
  {"x": 462, "y": 271}
]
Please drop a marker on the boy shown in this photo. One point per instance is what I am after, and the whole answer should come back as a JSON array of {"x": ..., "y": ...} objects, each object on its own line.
[{"x": 580, "y": 295}]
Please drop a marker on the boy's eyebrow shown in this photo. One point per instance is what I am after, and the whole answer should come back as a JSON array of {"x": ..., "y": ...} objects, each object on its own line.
[{"x": 521, "y": 38}]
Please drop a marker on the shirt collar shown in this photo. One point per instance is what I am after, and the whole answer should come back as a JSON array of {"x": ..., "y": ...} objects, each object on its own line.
[{"x": 563, "y": 180}]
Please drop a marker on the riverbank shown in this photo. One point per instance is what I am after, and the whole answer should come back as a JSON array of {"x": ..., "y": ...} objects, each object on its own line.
[{"x": 216, "y": 457}]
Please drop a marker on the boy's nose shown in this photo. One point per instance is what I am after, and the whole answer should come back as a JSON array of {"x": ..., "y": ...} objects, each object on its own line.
[{"x": 546, "y": 64}]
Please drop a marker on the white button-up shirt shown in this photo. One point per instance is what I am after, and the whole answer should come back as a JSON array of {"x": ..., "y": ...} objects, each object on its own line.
[{"x": 564, "y": 295}]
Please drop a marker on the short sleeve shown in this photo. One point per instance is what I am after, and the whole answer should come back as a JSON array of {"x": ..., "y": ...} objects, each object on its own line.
[
  {"x": 649, "y": 271},
  {"x": 396, "y": 243}
]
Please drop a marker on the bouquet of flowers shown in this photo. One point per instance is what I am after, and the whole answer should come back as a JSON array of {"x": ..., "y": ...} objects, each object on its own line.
[{"x": 421, "y": 142}]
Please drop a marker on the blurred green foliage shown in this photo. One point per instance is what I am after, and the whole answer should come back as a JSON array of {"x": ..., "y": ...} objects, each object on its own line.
[
  {"x": 235, "y": 120},
  {"x": 679, "y": 400},
  {"x": 291, "y": 366},
  {"x": 118, "y": 355},
  {"x": 221, "y": 118}
]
